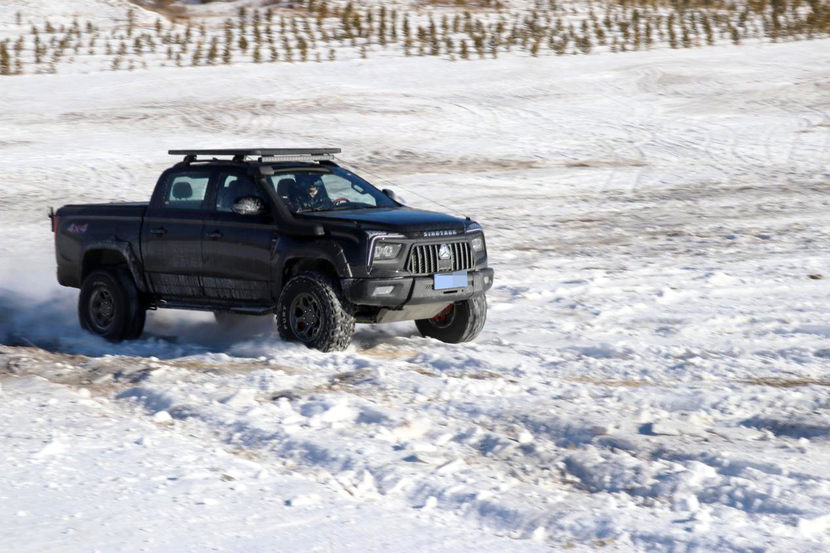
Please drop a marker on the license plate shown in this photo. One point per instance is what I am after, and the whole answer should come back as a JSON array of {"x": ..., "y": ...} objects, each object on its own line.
[{"x": 446, "y": 281}]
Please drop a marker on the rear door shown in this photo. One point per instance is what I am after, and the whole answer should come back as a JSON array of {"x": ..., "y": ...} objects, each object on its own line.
[
  {"x": 171, "y": 242},
  {"x": 238, "y": 249}
]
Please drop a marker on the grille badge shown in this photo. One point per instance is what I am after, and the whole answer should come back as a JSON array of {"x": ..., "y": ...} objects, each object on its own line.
[
  {"x": 424, "y": 259},
  {"x": 444, "y": 252}
]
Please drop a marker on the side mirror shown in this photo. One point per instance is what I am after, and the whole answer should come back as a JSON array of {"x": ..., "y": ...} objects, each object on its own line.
[
  {"x": 249, "y": 205},
  {"x": 390, "y": 194}
]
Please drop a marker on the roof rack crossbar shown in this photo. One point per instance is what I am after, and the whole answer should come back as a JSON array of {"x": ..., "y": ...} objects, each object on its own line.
[{"x": 260, "y": 152}]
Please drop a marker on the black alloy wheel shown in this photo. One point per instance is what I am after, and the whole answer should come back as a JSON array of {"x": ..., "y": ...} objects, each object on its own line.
[
  {"x": 312, "y": 311},
  {"x": 305, "y": 316},
  {"x": 445, "y": 318}
]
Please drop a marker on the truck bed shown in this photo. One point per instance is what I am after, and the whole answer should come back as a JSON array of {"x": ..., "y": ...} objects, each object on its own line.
[
  {"x": 79, "y": 226},
  {"x": 135, "y": 209}
]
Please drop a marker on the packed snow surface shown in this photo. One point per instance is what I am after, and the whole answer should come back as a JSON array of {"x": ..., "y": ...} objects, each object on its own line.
[{"x": 653, "y": 375}]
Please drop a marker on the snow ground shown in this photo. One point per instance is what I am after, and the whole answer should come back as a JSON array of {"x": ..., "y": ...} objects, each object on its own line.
[
  {"x": 83, "y": 475},
  {"x": 652, "y": 376}
]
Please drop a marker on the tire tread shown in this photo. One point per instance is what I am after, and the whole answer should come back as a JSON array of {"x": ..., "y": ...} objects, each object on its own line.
[
  {"x": 337, "y": 335},
  {"x": 465, "y": 328}
]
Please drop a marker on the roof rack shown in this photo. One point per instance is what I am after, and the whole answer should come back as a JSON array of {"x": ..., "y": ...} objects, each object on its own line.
[{"x": 264, "y": 154}]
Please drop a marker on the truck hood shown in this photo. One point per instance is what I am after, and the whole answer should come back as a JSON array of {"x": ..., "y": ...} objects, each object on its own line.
[{"x": 399, "y": 219}]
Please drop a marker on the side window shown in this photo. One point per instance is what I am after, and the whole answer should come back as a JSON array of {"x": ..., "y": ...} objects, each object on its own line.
[
  {"x": 233, "y": 187},
  {"x": 186, "y": 191}
]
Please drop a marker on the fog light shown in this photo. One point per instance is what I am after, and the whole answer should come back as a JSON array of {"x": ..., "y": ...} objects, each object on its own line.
[
  {"x": 383, "y": 290},
  {"x": 486, "y": 280}
]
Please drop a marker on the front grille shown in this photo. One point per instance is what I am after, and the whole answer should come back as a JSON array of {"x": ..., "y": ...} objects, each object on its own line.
[{"x": 423, "y": 260}]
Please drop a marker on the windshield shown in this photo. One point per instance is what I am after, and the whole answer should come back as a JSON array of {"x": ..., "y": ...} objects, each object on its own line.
[{"x": 305, "y": 190}]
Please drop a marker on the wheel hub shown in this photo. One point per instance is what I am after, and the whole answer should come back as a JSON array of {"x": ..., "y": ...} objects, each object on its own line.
[
  {"x": 445, "y": 317},
  {"x": 101, "y": 308},
  {"x": 305, "y": 317}
]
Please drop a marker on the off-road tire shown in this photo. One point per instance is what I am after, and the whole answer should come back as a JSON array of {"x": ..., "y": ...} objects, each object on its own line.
[
  {"x": 333, "y": 313},
  {"x": 137, "y": 328},
  {"x": 109, "y": 305},
  {"x": 467, "y": 321}
]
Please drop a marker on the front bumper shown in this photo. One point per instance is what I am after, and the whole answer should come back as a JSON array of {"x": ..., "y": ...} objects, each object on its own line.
[{"x": 409, "y": 291}]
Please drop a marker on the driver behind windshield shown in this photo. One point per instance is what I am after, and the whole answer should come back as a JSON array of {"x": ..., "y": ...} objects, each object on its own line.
[{"x": 315, "y": 197}]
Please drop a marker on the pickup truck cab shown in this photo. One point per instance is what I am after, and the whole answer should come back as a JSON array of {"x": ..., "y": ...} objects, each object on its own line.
[{"x": 285, "y": 232}]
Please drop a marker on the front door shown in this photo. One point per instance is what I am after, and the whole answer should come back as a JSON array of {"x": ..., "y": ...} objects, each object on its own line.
[
  {"x": 238, "y": 249},
  {"x": 171, "y": 240}
]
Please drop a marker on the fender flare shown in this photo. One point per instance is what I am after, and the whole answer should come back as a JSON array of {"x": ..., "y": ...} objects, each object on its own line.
[
  {"x": 323, "y": 250},
  {"x": 134, "y": 264}
]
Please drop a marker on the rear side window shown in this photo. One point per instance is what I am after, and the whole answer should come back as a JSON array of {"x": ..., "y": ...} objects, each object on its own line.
[
  {"x": 231, "y": 188},
  {"x": 186, "y": 191}
]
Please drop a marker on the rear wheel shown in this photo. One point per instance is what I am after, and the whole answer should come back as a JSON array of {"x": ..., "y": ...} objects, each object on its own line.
[
  {"x": 458, "y": 322},
  {"x": 137, "y": 328},
  {"x": 312, "y": 310},
  {"x": 109, "y": 305}
]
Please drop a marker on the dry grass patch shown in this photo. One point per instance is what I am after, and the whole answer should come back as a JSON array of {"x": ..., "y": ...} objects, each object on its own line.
[
  {"x": 777, "y": 382},
  {"x": 231, "y": 366},
  {"x": 601, "y": 164},
  {"x": 483, "y": 375},
  {"x": 425, "y": 372},
  {"x": 167, "y": 8},
  {"x": 610, "y": 382},
  {"x": 388, "y": 352}
]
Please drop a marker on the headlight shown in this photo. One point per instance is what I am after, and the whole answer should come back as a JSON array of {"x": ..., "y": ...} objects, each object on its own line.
[
  {"x": 477, "y": 243},
  {"x": 387, "y": 251}
]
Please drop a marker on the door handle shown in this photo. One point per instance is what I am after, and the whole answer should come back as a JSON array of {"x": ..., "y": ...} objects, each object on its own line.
[
  {"x": 158, "y": 231},
  {"x": 215, "y": 235}
]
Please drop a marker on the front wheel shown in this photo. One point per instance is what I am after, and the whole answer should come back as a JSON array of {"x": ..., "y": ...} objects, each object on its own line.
[
  {"x": 458, "y": 322},
  {"x": 312, "y": 310}
]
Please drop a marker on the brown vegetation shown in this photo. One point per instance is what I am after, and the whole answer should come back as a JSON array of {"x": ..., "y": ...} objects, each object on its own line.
[{"x": 312, "y": 30}]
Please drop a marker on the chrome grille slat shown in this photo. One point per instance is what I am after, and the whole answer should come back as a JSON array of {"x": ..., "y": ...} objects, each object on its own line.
[{"x": 423, "y": 258}]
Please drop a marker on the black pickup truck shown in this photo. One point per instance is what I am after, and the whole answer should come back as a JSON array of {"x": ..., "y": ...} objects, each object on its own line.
[{"x": 273, "y": 231}]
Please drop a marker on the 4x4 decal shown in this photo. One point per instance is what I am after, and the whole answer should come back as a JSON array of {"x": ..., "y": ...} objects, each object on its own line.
[{"x": 75, "y": 228}]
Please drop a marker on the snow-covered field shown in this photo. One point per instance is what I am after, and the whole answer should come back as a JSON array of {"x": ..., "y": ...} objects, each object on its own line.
[{"x": 653, "y": 375}]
